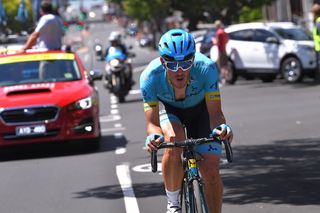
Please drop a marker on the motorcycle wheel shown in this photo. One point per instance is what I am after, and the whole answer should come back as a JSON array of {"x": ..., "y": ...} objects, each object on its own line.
[{"x": 121, "y": 99}]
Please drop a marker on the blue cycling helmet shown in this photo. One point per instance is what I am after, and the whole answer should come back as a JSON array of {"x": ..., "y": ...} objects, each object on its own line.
[{"x": 177, "y": 45}]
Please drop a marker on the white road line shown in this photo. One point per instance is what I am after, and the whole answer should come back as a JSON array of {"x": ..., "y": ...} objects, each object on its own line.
[
  {"x": 118, "y": 135},
  {"x": 130, "y": 200},
  {"x": 113, "y": 99},
  {"x": 114, "y": 106},
  {"x": 114, "y": 111},
  {"x": 117, "y": 125},
  {"x": 120, "y": 150},
  {"x": 109, "y": 118},
  {"x": 112, "y": 129},
  {"x": 134, "y": 92}
]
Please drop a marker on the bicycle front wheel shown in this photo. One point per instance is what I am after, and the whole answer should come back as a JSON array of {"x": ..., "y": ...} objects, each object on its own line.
[{"x": 194, "y": 199}]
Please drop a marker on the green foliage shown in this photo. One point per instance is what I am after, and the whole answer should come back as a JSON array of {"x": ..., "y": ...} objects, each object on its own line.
[
  {"x": 229, "y": 11},
  {"x": 250, "y": 14},
  {"x": 146, "y": 9},
  {"x": 11, "y": 8}
]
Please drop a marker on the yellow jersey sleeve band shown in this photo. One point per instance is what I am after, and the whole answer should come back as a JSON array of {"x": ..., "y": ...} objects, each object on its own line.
[
  {"x": 213, "y": 96},
  {"x": 150, "y": 105}
]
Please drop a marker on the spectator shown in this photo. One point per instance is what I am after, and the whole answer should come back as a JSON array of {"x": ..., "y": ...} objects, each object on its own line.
[
  {"x": 49, "y": 32},
  {"x": 316, "y": 36},
  {"x": 221, "y": 39}
]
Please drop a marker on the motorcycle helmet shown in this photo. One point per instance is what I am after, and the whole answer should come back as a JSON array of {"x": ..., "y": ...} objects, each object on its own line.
[
  {"x": 176, "y": 45},
  {"x": 114, "y": 36}
]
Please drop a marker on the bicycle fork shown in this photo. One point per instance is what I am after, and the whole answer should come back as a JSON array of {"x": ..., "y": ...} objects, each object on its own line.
[{"x": 193, "y": 189}]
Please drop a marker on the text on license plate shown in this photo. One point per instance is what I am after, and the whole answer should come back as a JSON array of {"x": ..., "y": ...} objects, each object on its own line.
[{"x": 30, "y": 130}]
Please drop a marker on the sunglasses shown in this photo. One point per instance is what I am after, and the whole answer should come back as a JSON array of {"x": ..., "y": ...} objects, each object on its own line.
[{"x": 175, "y": 65}]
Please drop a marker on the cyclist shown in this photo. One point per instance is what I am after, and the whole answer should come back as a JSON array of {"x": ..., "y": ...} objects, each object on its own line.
[
  {"x": 180, "y": 88},
  {"x": 49, "y": 32}
]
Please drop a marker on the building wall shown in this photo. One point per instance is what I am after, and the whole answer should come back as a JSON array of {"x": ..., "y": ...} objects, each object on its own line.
[{"x": 297, "y": 11}]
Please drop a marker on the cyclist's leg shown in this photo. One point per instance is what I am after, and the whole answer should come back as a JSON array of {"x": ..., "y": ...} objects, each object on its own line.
[
  {"x": 172, "y": 170},
  {"x": 209, "y": 169},
  {"x": 209, "y": 166}
]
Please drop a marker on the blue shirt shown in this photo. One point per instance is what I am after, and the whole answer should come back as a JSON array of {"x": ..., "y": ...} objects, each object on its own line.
[{"x": 203, "y": 83}]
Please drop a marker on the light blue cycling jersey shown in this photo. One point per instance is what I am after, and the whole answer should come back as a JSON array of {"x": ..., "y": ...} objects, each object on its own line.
[{"x": 203, "y": 83}]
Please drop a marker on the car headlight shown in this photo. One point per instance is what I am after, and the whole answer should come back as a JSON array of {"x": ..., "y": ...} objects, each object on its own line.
[{"x": 85, "y": 103}]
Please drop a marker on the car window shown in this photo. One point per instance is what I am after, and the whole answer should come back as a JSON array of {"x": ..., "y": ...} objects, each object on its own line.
[
  {"x": 242, "y": 35},
  {"x": 297, "y": 34},
  {"x": 38, "y": 71},
  {"x": 261, "y": 35}
]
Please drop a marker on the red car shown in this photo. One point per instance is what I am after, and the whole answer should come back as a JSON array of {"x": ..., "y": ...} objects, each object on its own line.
[{"x": 47, "y": 96}]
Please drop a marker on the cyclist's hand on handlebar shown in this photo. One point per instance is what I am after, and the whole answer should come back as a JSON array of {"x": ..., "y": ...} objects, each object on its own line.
[
  {"x": 153, "y": 141},
  {"x": 224, "y": 132}
]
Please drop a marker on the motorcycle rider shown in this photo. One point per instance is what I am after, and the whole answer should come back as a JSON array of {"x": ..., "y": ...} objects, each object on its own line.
[{"x": 115, "y": 41}]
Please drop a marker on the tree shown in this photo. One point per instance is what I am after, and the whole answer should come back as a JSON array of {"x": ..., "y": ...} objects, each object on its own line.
[
  {"x": 229, "y": 11},
  {"x": 11, "y": 8}
]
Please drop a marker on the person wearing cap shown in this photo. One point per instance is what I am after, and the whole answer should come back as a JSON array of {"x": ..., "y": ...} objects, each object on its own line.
[
  {"x": 221, "y": 39},
  {"x": 180, "y": 89}
]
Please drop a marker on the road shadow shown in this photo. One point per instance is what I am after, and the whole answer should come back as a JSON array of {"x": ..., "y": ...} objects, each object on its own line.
[
  {"x": 284, "y": 172},
  {"x": 57, "y": 149},
  {"x": 115, "y": 192},
  {"x": 306, "y": 83}
]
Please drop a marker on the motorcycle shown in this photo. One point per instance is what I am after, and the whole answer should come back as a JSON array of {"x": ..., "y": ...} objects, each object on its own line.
[
  {"x": 118, "y": 73},
  {"x": 98, "y": 49}
]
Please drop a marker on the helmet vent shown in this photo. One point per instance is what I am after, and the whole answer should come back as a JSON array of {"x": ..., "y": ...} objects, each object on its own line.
[
  {"x": 176, "y": 34},
  {"x": 189, "y": 44},
  {"x": 167, "y": 46},
  {"x": 174, "y": 45}
]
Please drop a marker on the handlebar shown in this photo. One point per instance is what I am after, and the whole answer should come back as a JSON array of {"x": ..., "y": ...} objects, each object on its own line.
[{"x": 191, "y": 143}]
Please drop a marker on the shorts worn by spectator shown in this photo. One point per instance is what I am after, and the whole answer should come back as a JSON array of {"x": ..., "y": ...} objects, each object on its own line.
[{"x": 49, "y": 32}]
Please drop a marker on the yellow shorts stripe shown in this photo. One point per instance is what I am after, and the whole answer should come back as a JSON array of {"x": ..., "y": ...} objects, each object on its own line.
[{"x": 213, "y": 96}]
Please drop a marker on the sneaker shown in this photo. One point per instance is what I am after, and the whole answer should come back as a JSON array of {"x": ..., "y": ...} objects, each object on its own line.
[{"x": 173, "y": 209}]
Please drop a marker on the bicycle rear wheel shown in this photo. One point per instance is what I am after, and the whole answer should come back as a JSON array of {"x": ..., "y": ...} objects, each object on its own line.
[{"x": 193, "y": 198}]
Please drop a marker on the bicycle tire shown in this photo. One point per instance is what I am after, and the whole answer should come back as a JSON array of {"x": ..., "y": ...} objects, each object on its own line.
[
  {"x": 199, "y": 196},
  {"x": 193, "y": 198}
]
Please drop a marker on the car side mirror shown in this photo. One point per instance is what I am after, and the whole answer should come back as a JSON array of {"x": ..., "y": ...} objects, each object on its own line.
[
  {"x": 95, "y": 74},
  {"x": 272, "y": 40}
]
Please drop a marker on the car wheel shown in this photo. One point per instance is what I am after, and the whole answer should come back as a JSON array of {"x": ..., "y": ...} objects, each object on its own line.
[
  {"x": 232, "y": 75},
  {"x": 291, "y": 70}
]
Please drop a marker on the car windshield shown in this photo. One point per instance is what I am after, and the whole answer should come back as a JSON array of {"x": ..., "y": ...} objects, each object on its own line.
[
  {"x": 38, "y": 72},
  {"x": 296, "y": 34}
]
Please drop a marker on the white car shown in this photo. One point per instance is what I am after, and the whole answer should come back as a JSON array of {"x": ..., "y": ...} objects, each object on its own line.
[{"x": 266, "y": 50}]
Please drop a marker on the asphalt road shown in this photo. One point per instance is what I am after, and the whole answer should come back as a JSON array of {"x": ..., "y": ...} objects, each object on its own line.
[{"x": 276, "y": 151}]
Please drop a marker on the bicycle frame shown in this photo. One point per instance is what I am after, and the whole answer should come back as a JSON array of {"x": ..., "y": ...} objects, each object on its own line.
[
  {"x": 192, "y": 184},
  {"x": 192, "y": 180}
]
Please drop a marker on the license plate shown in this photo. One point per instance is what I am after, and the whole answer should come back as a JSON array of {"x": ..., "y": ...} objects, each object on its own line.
[{"x": 30, "y": 130}]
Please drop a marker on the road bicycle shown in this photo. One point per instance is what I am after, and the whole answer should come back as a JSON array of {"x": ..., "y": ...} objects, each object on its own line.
[{"x": 192, "y": 185}]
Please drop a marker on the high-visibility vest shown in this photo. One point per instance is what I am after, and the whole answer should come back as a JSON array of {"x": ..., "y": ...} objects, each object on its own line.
[{"x": 316, "y": 35}]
